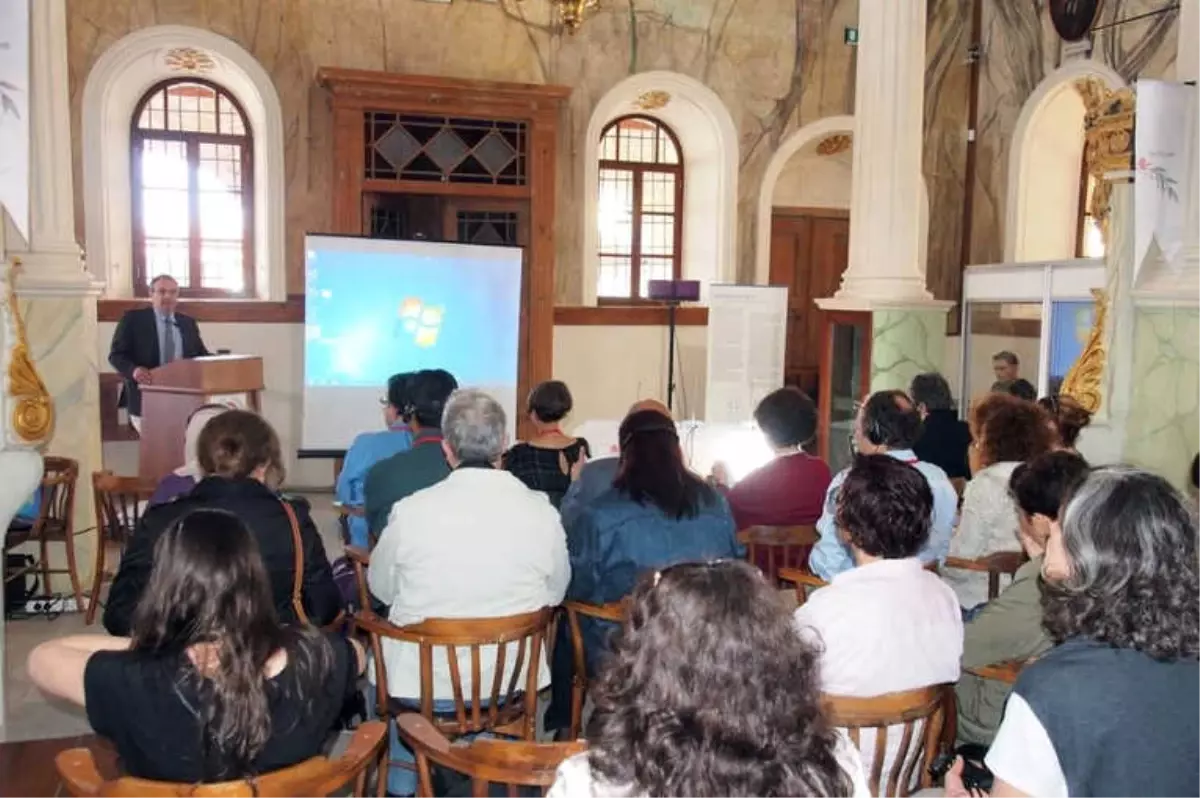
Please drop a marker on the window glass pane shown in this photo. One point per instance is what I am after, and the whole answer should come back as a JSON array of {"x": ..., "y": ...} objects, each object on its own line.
[
  {"x": 221, "y": 265},
  {"x": 614, "y": 276},
  {"x": 667, "y": 153},
  {"x": 168, "y": 256},
  {"x": 638, "y": 140},
  {"x": 222, "y": 216},
  {"x": 164, "y": 171},
  {"x": 654, "y": 269},
  {"x": 658, "y": 192},
  {"x": 608, "y": 145},
  {"x": 614, "y": 212},
  {"x": 658, "y": 235},
  {"x": 231, "y": 119}
]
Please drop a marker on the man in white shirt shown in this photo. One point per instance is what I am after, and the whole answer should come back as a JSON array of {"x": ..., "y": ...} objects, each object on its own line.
[
  {"x": 478, "y": 544},
  {"x": 886, "y": 625}
]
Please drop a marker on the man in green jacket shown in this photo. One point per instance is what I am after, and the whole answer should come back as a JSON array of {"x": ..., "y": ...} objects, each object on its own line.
[{"x": 1009, "y": 627}]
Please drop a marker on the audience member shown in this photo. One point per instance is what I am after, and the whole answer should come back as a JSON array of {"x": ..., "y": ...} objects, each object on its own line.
[
  {"x": 184, "y": 478},
  {"x": 1006, "y": 366},
  {"x": 592, "y": 478},
  {"x": 420, "y": 466},
  {"x": 656, "y": 513},
  {"x": 709, "y": 692},
  {"x": 243, "y": 468},
  {"x": 1067, "y": 418},
  {"x": 887, "y": 423},
  {"x": 369, "y": 448},
  {"x": 1111, "y": 710},
  {"x": 545, "y": 461},
  {"x": 788, "y": 491},
  {"x": 944, "y": 438},
  {"x": 478, "y": 544},
  {"x": 1009, "y": 627},
  {"x": 1022, "y": 389},
  {"x": 211, "y": 686},
  {"x": 888, "y": 624},
  {"x": 1007, "y": 432}
]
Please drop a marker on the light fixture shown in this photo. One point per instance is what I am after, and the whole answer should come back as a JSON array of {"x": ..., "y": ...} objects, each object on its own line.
[{"x": 572, "y": 12}]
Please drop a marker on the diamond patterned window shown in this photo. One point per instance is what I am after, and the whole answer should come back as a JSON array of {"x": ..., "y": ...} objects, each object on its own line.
[
  {"x": 444, "y": 149},
  {"x": 193, "y": 175},
  {"x": 638, "y": 218}
]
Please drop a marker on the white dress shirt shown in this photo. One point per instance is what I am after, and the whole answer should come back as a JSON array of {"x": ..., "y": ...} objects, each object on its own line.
[
  {"x": 883, "y": 627},
  {"x": 988, "y": 524},
  {"x": 479, "y": 544},
  {"x": 574, "y": 778}
]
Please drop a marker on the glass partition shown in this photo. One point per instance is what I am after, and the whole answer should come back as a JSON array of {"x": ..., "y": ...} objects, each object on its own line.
[
  {"x": 1070, "y": 325},
  {"x": 1001, "y": 327},
  {"x": 848, "y": 343}
]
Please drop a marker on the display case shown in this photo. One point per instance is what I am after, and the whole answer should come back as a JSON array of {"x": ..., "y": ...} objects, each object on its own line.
[
  {"x": 845, "y": 380},
  {"x": 1041, "y": 312}
]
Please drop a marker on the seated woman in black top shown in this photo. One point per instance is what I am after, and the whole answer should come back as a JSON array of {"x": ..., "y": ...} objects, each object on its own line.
[
  {"x": 212, "y": 686},
  {"x": 544, "y": 462}
]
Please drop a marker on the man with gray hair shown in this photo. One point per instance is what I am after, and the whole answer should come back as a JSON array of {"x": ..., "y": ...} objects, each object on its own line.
[{"x": 478, "y": 544}]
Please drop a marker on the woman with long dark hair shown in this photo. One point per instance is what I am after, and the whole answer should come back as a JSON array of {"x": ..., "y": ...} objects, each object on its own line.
[
  {"x": 1112, "y": 708},
  {"x": 656, "y": 513},
  {"x": 210, "y": 686},
  {"x": 710, "y": 691}
]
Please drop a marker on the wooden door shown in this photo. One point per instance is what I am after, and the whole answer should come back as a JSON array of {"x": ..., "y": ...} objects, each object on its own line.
[{"x": 808, "y": 254}]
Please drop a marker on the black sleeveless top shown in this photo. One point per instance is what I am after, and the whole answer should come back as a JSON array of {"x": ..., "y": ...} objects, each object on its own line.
[{"x": 542, "y": 469}]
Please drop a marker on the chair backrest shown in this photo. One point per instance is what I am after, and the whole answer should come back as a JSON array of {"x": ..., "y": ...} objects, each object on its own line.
[
  {"x": 316, "y": 776},
  {"x": 119, "y": 503},
  {"x": 994, "y": 565},
  {"x": 614, "y": 611},
  {"x": 506, "y": 704},
  {"x": 360, "y": 558},
  {"x": 803, "y": 580},
  {"x": 59, "y": 475},
  {"x": 779, "y": 546},
  {"x": 917, "y": 716},
  {"x": 485, "y": 761}
]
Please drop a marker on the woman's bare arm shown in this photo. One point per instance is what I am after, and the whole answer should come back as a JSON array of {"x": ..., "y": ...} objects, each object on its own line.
[{"x": 56, "y": 666}]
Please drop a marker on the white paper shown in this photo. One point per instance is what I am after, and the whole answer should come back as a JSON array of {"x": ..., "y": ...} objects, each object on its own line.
[
  {"x": 14, "y": 113},
  {"x": 1165, "y": 160},
  {"x": 747, "y": 336}
]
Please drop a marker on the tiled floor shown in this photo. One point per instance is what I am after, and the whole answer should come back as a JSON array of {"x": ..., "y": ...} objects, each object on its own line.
[{"x": 28, "y": 715}]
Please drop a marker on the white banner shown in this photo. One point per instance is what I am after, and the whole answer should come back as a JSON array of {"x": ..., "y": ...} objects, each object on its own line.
[
  {"x": 14, "y": 113},
  {"x": 747, "y": 338},
  {"x": 1165, "y": 162}
]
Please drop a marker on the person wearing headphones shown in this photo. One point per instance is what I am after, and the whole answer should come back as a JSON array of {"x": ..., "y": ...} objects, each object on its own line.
[
  {"x": 421, "y": 465},
  {"x": 887, "y": 423}
]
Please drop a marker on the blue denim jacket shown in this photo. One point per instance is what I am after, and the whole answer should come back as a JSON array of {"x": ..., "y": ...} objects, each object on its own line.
[{"x": 367, "y": 450}]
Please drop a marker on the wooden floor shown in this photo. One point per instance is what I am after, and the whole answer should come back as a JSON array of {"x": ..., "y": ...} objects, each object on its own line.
[{"x": 27, "y": 768}]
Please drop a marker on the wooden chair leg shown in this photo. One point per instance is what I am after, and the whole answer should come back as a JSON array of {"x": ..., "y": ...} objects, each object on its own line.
[
  {"x": 385, "y": 762},
  {"x": 73, "y": 572},
  {"x": 97, "y": 578},
  {"x": 45, "y": 563},
  {"x": 577, "y": 697}
]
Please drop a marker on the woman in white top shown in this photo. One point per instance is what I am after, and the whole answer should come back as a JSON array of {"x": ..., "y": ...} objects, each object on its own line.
[
  {"x": 1005, "y": 432},
  {"x": 709, "y": 691}
]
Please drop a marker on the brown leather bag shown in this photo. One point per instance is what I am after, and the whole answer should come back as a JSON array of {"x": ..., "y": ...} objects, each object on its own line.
[{"x": 298, "y": 578}]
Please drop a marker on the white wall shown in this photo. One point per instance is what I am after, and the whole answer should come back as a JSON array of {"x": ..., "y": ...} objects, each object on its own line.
[
  {"x": 815, "y": 181},
  {"x": 1049, "y": 180}
]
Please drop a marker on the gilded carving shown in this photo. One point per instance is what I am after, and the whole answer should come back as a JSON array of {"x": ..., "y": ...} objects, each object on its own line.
[
  {"x": 1083, "y": 381},
  {"x": 832, "y": 145},
  {"x": 652, "y": 100},
  {"x": 33, "y": 410},
  {"x": 572, "y": 12},
  {"x": 189, "y": 59},
  {"x": 1108, "y": 129}
]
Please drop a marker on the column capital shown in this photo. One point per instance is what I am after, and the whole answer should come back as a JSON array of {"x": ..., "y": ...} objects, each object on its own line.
[{"x": 872, "y": 304}]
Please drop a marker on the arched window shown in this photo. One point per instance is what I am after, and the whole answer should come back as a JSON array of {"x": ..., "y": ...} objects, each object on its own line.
[
  {"x": 1089, "y": 240},
  {"x": 639, "y": 211},
  {"x": 193, "y": 172}
]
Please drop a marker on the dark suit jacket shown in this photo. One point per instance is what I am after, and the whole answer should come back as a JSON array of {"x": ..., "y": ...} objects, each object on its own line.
[{"x": 135, "y": 344}]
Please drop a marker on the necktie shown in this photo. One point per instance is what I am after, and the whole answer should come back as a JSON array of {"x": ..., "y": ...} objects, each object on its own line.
[{"x": 168, "y": 353}]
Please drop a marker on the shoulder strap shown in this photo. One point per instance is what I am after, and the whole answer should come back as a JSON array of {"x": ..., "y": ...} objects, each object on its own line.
[{"x": 298, "y": 578}]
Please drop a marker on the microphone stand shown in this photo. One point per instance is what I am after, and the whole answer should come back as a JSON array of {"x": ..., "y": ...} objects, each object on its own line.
[{"x": 672, "y": 304}]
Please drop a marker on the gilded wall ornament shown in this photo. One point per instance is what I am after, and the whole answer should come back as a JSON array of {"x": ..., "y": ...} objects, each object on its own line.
[
  {"x": 1084, "y": 380},
  {"x": 189, "y": 59},
  {"x": 1108, "y": 146},
  {"x": 652, "y": 100},
  {"x": 33, "y": 409},
  {"x": 835, "y": 144}
]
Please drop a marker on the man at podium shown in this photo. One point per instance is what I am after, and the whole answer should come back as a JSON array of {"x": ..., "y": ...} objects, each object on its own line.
[{"x": 147, "y": 338}]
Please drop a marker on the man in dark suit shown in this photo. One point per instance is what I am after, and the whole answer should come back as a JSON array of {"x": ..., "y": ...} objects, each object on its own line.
[{"x": 147, "y": 338}]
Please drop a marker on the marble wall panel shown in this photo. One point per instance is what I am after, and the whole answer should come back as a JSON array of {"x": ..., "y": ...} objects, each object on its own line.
[{"x": 905, "y": 343}]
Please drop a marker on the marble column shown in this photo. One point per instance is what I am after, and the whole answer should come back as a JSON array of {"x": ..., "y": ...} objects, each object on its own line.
[
  {"x": 57, "y": 296},
  {"x": 885, "y": 274}
]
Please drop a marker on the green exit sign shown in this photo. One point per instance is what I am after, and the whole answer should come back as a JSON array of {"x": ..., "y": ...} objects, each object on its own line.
[{"x": 850, "y": 36}]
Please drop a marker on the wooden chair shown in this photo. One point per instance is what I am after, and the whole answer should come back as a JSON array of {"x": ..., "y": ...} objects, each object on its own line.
[
  {"x": 921, "y": 714},
  {"x": 994, "y": 565},
  {"x": 119, "y": 505},
  {"x": 1006, "y": 672},
  {"x": 613, "y": 611},
  {"x": 803, "y": 579},
  {"x": 55, "y": 524},
  {"x": 780, "y": 546},
  {"x": 361, "y": 560},
  {"x": 960, "y": 485},
  {"x": 345, "y": 513},
  {"x": 485, "y": 761},
  {"x": 316, "y": 776}
]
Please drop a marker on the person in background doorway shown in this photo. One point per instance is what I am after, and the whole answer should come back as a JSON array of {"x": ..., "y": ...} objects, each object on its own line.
[
  {"x": 369, "y": 448},
  {"x": 1006, "y": 366},
  {"x": 945, "y": 438},
  {"x": 147, "y": 338},
  {"x": 420, "y": 466},
  {"x": 184, "y": 478},
  {"x": 545, "y": 461}
]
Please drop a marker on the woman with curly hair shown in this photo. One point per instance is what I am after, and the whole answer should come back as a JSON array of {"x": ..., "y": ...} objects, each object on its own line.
[
  {"x": 1068, "y": 418},
  {"x": 1005, "y": 431},
  {"x": 710, "y": 691},
  {"x": 1112, "y": 709}
]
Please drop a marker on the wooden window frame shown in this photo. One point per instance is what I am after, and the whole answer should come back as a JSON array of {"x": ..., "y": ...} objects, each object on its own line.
[
  {"x": 192, "y": 141},
  {"x": 1082, "y": 215},
  {"x": 638, "y": 170}
]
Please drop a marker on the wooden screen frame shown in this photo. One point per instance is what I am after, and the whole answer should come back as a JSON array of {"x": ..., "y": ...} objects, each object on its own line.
[
  {"x": 352, "y": 92},
  {"x": 863, "y": 320}
]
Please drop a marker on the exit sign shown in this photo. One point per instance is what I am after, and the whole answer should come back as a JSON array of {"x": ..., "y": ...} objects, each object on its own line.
[{"x": 850, "y": 36}]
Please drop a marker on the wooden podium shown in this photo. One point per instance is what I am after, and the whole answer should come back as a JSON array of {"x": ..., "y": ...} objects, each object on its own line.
[{"x": 179, "y": 388}]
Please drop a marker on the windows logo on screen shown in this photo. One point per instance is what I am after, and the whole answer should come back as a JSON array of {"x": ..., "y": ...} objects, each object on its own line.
[{"x": 421, "y": 321}]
